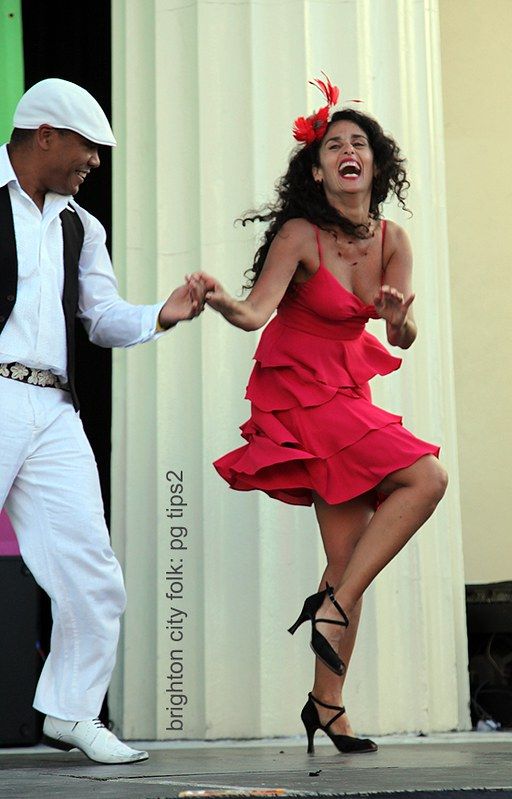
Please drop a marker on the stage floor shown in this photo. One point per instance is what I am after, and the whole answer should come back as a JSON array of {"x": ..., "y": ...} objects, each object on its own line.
[{"x": 439, "y": 765}]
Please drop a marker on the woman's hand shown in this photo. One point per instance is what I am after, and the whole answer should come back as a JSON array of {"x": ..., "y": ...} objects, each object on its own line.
[
  {"x": 214, "y": 295},
  {"x": 392, "y": 306}
]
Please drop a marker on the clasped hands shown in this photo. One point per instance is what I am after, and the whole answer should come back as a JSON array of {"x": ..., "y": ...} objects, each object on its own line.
[{"x": 185, "y": 302}]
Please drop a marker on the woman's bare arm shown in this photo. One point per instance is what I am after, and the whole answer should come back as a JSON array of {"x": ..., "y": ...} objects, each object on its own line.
[
  {"x": 285, "y": 253},
  {"x": 394, "y": 301}
]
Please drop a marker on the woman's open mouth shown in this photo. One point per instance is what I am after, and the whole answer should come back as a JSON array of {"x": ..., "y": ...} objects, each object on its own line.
[{"x": 349, "y": 169}]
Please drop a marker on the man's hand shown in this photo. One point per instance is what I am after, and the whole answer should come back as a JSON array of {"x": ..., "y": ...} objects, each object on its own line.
[
  {"x": 215, "y": 296},
  {"x": 185, "y": 302}
]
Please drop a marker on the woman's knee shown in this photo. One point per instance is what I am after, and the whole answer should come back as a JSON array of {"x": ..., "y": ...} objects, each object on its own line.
[{"x": 435, "y": 480}]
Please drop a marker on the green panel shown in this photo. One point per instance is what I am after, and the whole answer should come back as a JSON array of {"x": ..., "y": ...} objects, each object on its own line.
[{"x": 11, "y": 63}]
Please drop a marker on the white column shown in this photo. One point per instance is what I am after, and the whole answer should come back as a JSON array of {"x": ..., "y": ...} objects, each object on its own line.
[{"x": 204, "y": 98}]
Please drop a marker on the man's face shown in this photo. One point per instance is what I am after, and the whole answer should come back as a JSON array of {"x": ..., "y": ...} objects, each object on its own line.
[{"x": 69, "y": 159}]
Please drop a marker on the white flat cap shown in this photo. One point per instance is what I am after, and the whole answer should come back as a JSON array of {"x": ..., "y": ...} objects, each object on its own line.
[{"x": 63, "y": 104}]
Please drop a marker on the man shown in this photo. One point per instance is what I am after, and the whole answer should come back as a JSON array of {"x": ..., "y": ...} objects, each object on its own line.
[{"x": 48, "y": 476}]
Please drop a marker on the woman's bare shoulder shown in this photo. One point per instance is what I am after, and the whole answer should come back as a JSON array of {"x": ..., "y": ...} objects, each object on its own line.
[
  {"x": 300, "y": 238},
  {"x": 297, "y": 229},
  {"x": 396, "y": 236}
]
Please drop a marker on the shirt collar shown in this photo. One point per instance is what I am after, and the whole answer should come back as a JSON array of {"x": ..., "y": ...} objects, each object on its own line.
[{"x": 7, "y": 173}]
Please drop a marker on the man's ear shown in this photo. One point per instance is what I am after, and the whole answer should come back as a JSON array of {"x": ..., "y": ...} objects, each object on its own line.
[{"x": 44, "y": 136}]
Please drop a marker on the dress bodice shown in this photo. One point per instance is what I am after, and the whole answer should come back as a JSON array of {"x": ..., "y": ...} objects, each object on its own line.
[
  {"x": 319, "y": 333},
  {"x": 322, "y": 306}
]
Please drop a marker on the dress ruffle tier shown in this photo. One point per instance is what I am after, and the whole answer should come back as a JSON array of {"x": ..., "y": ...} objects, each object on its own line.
[{"x": 313, "y": 427}]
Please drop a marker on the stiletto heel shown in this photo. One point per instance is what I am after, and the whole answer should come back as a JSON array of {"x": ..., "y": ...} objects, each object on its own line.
[
  {"x": 309, "y": 718},
  {"x": 302, "y": 618},
  {"x": 311, "y": 745},
  {"x": 319, "y": 644},
  {"x": 343, "y": 743}
]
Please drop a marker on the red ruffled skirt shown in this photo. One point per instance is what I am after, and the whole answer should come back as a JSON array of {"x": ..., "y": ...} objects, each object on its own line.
[{"x": 313, "y": 427}]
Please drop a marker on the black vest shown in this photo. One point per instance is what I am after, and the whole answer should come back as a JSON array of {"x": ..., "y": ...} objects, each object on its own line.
[{"x": 73, "y": 236}]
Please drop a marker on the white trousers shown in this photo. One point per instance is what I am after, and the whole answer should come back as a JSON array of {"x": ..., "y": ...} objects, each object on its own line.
[{"x": 50, "y": 487}]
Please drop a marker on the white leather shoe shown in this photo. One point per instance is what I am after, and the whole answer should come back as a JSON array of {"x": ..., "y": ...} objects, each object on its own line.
[{"x": 92, "y": 737}]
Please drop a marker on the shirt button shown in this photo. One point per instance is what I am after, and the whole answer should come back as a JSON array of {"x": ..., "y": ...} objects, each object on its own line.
[{"x": 10, "y": 297}]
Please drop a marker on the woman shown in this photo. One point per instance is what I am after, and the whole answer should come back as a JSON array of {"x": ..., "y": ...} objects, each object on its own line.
[{"x": 328, "y": 263}]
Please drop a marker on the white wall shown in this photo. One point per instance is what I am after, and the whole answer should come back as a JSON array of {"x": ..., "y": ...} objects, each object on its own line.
[
  {"x": 475, "y": 39},
  {"x": 205, "y": 94}
]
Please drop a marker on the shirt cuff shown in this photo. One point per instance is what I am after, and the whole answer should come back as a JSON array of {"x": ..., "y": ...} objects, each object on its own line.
[{"x": 158, "y": 327}]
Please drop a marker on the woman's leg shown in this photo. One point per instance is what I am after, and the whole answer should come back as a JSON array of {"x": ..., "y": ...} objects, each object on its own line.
[
  {"x": 341, "y": 527},
  {"x": 413, "y": 496}
]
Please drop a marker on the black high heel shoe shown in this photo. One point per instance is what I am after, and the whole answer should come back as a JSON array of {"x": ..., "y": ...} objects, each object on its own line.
[
  {"x": 343, "y": 743},
  {"x": 320, "y": 645}
]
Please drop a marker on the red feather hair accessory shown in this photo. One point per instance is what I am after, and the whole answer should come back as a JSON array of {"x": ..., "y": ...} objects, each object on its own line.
[{"x": 309, "y": 129}]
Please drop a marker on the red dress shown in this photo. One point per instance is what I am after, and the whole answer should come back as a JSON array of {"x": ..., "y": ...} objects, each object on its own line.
[{"x": 313, "y": 426}]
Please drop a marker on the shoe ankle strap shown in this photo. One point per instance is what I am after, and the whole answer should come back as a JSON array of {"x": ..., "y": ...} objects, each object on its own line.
[
  {"x": 330, "y": 594},
  {"x": 323, "y": 704},
  {"x": 329, "y": 707}
]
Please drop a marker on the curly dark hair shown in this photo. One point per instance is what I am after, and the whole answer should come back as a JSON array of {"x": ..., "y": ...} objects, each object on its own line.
[{"x": 300, "y": 196}]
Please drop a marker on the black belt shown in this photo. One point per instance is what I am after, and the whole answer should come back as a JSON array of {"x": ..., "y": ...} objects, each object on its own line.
[{"x": 37, "y": 377}]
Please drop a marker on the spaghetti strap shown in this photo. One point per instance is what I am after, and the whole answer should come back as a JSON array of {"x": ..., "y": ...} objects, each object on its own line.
[
  {"x": 383, "y": 269},
  {"x": 383, "y": 223},
  {"x": 319, "y": 246}
]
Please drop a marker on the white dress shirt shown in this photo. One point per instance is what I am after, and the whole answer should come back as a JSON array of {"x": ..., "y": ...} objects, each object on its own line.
[{"x": 35, "y": 333}]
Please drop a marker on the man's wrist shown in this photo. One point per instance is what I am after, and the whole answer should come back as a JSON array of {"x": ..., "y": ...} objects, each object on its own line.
[{"x": 161, "y": 328}]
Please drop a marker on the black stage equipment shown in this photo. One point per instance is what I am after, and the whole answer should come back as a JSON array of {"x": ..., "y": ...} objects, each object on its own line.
[
  {"x": 20, "y": 658},
  {"x": 489, "y": 615}
]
